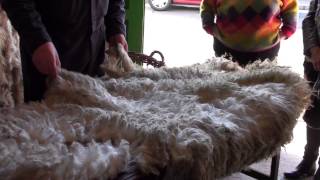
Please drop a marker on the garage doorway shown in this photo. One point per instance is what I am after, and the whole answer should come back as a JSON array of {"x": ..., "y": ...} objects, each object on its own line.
[{"x": 178, "y": 34}]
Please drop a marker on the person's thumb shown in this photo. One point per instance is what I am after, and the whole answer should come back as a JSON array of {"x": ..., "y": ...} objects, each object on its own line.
[
  {"x": 52, "y": 67},
  {"x": 58, "y": 65}
]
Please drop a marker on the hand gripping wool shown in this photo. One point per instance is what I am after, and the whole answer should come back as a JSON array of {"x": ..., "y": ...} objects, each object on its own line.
[
  {"x": 203, "y": 121},
  {"x": 117, "y": 62}
]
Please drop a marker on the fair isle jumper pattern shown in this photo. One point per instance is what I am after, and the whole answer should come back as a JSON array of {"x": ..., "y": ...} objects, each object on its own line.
[{"x": 250, "y": 25}]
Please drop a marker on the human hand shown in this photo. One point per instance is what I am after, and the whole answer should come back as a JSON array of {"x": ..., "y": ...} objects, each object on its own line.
[
  {"x": 46, "y": 59},
  {"x": 282, "y": 37},
  {"x": 315, "y": 57},
  {"x": 118, "y": 38},
  {"x": 208, "y": 29}
]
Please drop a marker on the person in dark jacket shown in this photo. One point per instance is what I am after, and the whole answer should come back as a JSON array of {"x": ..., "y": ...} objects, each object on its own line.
[
  {"x": 69, "y": 34},
  {"x": 311, "y": 42}
]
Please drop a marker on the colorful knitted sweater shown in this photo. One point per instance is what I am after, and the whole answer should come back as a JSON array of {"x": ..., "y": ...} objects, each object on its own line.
[{"x": 250, "y": 25}]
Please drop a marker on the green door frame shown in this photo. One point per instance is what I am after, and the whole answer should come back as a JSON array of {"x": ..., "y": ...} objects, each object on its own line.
[{"x": 135, "y": 24}]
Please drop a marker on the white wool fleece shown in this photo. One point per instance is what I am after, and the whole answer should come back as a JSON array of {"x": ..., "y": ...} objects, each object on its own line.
[{"x": 201, "y": 122}]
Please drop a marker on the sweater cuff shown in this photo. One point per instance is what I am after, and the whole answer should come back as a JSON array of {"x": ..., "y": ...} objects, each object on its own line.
[{"x": 35, "y": 39}]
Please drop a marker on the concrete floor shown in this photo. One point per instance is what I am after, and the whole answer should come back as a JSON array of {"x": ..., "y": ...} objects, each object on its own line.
[
  {"x": 290, "y": 156},
  {"x": 178, "y": 35}
]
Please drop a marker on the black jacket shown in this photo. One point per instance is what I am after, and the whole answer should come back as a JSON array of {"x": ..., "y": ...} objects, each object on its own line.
[{"x": 78, "y": 28}]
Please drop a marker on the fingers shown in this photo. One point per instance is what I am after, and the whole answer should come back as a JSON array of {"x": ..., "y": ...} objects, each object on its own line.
[
  {"x": 53, "y": 67},
  {"x": 125, "y": 45},
  {"x": 54, "y": 63},
  {"x": 58, "y": 65},
  {"x": 46, "y": 60},
  {"x": 123, "y": 41}
]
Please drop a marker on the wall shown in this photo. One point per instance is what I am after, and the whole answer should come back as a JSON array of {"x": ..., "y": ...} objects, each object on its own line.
[{"x": 135, "y": 24}]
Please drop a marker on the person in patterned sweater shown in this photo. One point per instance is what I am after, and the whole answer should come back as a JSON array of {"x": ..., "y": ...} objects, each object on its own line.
[{"x": 246, "y": 31}]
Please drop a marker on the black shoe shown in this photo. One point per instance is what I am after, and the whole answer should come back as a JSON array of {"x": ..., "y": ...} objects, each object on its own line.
[{"x": 303, "y": 170}]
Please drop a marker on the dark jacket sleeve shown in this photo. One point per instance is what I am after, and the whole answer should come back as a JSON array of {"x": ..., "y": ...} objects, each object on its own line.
[
  {"x": 115, "y": 18},
  {"x": 309, "y": 29},
  {"x": 27, "y": 21}
]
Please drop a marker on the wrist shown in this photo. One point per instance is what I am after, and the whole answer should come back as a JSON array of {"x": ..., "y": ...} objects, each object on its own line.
[{"x": 118, "y": 39}]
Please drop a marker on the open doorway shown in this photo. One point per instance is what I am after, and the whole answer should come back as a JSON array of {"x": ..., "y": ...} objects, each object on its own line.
[{"x": 178, "y": 34}]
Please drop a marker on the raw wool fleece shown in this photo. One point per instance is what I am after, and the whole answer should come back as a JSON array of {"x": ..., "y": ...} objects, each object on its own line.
[
  {"x": 200, "y": 122},
  {"x": 117, "y": 62},
  {"x": 11, "y": 90},
  {"x": 38, "y": 142}
]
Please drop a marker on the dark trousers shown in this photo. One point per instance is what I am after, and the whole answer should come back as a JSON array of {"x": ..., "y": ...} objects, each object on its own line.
[
  {"x": 312, "y": 113},
  {"x": 244, "y": 58},
  {"x": 34, "y": 83}
]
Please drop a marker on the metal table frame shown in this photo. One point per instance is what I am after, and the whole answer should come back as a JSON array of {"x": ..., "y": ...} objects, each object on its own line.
[{"x": 274, "y": 170}]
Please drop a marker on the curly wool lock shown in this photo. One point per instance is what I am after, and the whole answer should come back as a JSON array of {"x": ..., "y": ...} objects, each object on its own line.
[{"x": 11, "y": 91}]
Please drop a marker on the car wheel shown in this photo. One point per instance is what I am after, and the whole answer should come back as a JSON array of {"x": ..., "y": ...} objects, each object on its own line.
[{"x": 160, "y": 5}]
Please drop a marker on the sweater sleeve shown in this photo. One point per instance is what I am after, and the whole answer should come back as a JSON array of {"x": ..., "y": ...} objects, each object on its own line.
[
  {"x": 288, "y": 14},
  {"x": 309, "y": 29},
  {"x": 115, "y": 18},
  {"x": 27, "y": 21},
  {"x": 207, "y": 12}
]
